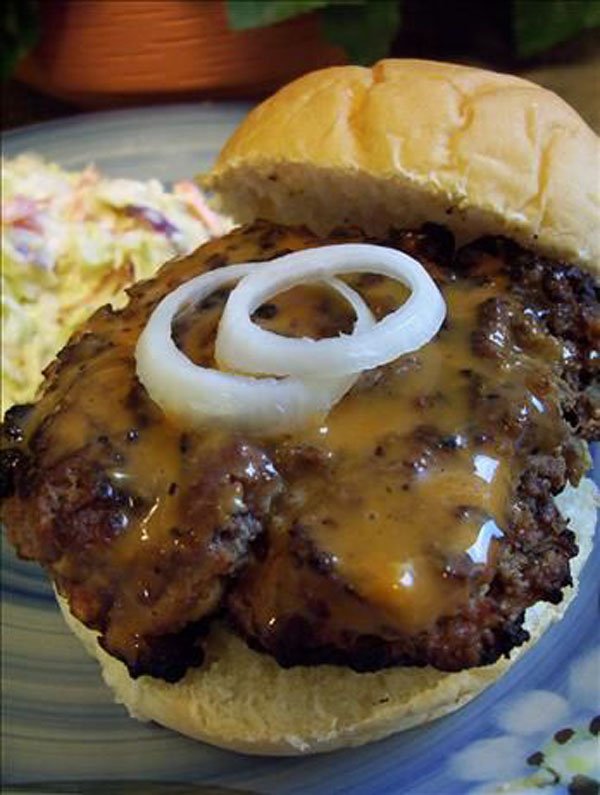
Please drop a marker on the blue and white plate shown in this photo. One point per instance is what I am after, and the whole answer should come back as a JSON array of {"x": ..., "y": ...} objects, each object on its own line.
[{"x": 532, "y": 731}]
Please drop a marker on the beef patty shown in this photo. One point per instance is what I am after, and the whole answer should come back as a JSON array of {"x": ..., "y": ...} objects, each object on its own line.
[{"x": 412, "y": 526}]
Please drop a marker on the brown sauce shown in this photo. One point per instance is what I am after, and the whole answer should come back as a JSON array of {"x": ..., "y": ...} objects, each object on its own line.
[
  {"x": 418, "y": 495},
  {"x": 419, "y": 480}
]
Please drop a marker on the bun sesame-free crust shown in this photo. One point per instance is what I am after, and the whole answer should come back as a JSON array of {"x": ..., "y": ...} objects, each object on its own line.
[
  {"x": 245, "y": 701},
  {"x": 397, "y": 145},
  {"x": 410, "y": 141}
]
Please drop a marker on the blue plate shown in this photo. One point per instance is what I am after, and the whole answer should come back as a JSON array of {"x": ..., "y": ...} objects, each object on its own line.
[{"x": 531, "y": 729}]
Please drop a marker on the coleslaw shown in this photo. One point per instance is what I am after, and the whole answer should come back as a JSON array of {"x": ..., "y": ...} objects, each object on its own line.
[{"x": 71, "y": 242}]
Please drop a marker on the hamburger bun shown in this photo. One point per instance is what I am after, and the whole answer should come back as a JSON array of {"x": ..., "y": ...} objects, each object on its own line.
[
  {"x": 243, "y": 700},
  {"x": 410, "y": 141},
  {"x": 162, "y": 533},
  {"x": 399, "y": 144}
]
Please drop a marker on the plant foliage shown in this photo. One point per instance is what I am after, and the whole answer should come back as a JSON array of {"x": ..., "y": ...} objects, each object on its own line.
[
  {"x": 539, "y": 25},
  {"x": 365, "y": 29},
  {"x": 20, "y": 32}
]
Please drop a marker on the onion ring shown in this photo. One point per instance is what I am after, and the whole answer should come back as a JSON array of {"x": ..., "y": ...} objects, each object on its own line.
[
  {"x": 244, "y": 346},
  {"x": 195, "y": 393}
]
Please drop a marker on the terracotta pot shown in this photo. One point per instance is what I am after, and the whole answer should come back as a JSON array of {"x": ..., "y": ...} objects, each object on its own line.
[{"x": 106, "y": 52}]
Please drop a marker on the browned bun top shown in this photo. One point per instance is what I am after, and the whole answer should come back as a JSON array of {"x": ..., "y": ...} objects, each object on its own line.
[{"x": 410, "y": 141}]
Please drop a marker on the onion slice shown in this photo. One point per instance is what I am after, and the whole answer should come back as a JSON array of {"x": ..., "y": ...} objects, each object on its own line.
[
  {"x": 196, "y": 394},
  {"x": 242, "y": 345}
]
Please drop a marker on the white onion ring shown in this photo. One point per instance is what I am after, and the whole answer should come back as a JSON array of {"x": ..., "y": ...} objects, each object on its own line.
[
  {"x": 195, "y": 393},
  {"x": 242, "y": 345}
]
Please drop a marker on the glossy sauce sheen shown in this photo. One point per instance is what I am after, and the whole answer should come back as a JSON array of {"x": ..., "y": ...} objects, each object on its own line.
[
  {"x": 417, "y": 489},
  {"x": 407, "y": 534},
  {"x": 401, "y": 522}
]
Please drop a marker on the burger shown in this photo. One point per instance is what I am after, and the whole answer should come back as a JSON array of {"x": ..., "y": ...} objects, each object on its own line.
[{"x": 324, "y": 478}]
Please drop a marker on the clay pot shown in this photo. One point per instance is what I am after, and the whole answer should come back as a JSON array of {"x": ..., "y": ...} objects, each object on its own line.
[{"x": 106, "y": 52}]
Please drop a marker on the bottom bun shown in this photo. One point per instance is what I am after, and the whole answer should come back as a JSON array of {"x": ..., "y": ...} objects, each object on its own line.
[{"x": 244, "y": 701}]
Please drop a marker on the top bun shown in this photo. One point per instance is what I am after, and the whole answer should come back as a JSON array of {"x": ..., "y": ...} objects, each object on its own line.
[{"x": 410, "y": 141}]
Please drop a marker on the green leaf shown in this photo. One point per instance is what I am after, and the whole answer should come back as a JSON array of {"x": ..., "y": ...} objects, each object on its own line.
[
  {"x": 365, "y": 29},
  {"x": 365, "y": 32},
  {"x": 20, "y": 32},
  {"x": 540, "y": 24},
  {"x": 244, "y": 14}
]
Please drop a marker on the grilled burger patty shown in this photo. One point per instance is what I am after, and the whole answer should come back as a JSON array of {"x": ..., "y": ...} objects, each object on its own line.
[{"x": 413, "y": 526}]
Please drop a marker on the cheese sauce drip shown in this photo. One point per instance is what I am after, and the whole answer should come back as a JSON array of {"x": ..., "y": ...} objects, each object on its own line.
[
  {"x": 418, "y": 495},
  {"x": 410, "y": 493}
]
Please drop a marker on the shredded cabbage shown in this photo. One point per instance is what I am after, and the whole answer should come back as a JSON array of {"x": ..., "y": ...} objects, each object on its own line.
[{"x": 71, "y": 242}]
